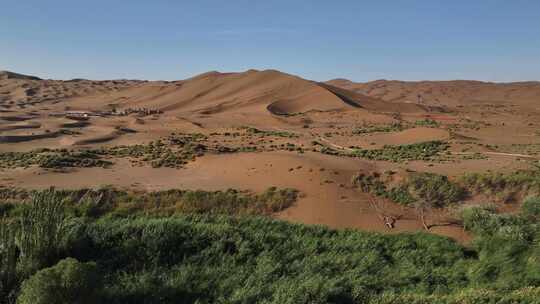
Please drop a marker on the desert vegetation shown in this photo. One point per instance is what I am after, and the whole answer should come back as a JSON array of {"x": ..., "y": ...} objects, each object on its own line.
[
  {"x": 505, "y": 186},
  {"x": 426, "y": 151},
  {"x": 263, "y": 133},
  {"x": 52, "y": 255},
  {"x": 436, "y": 190},
  {"x": 52, "y": 158},
  {"x": 378, "y": 128},
  {"x": 113, "y": 202}
]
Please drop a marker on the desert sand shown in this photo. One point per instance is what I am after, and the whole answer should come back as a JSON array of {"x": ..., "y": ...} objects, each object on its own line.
[{"x": 472, "y": 117}]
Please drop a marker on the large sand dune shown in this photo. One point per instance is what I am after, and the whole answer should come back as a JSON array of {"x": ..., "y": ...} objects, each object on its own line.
[{"x": 248, "y": 92}]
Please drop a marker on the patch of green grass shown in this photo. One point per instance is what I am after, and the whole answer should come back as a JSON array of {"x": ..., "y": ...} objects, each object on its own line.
[{"x": 379, "y": 129}]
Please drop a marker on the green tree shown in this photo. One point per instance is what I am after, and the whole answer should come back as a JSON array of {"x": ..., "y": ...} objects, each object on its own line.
[{"x": 68, "y": 282}]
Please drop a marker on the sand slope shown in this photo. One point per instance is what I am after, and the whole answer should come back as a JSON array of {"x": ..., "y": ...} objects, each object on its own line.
[
  {"x": 23, "y": 90},
  {"x": 248, "y": 92},
  {"x": 458, "y": 92}
]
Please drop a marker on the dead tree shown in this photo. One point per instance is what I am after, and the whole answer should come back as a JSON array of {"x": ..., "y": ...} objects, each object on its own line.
[
  {"x": 378, "y": 206},
  {"x": 422, "y": 206}
]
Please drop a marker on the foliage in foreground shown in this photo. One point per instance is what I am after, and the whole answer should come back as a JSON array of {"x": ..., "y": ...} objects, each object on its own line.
[
  {"x": 69, "y": 281},
  {"x": 193, "y": 258}
]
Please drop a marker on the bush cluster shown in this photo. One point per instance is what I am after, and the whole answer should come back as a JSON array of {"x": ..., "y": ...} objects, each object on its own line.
[
  {"x": 425, "y": 151},
  {"x": 493, "y": 183},
  {"x": 379, "y": 129},
  {"x": 263, "y": 133},
  {"x": 433, "y": 189},
  {"x": 121, "y": 203},
  {"x": 52, "y": 158},
  {"x": 427, "y": 123}
]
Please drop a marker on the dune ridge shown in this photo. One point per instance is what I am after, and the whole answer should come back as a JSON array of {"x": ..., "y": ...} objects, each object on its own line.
[{"x": 453, "y": 92}]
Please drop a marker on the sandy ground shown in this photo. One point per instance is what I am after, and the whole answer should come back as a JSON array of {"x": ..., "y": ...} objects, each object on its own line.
[{"x": 498, "y": 122}]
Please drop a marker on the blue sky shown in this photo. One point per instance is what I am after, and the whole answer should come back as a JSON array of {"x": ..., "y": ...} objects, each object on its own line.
[{"x": 360, "y": 40}]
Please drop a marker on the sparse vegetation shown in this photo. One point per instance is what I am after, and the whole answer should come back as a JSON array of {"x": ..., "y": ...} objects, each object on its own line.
[
  {"x": 262, "y": 133},
  {"x": 428, "y": 122},
  {"x": 379, "y": 129},
  {"x": 118, "y": 203},
  {"x": 525, "y": 182},
  {"x": 47, "y": 158},
  {"x": 433, "y": 190},
  {"x": 425, "y": 151}
]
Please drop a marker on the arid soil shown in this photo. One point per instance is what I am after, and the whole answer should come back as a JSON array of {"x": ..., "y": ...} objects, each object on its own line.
[{"x": 268, "y": 128}]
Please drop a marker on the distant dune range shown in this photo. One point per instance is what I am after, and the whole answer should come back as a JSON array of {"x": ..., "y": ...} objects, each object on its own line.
[
  {"x": 450, "y": 93},
  {"x": 209, "y": 93}
]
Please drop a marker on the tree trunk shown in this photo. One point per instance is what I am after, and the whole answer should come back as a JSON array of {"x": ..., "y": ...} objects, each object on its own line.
[{"x": 423, "y": 219}]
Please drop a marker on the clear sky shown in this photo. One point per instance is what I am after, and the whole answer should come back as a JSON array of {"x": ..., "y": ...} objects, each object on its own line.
[{"x": 496, "y": 40}]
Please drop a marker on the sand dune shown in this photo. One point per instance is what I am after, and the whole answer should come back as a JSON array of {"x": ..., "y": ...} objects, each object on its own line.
[
  {"x": 248, "y": 92},
  {"x": 458, "y": 92},
  {"x": 102, "y": 135},
  {"x": 6, "y": 139},
  {"x": 18, "y": 126},
  {"x": 24, "y": 90},
  {"x": 371, "y": 103}
]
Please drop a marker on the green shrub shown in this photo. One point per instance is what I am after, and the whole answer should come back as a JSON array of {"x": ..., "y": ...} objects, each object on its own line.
[
  {"x": 42, "y": 231},
  {"x": 475, "y": 217},
  {"x": 67, "y": 282},
  {"x": 468, "y": 296},
  {"x": 427, "y": 123},
  {"x": 8, "y": 261},
  {"x": 435, "y": 189},
  {"x": 401, "y": 195},
  {"x": 507, "y": 246},
  {"x": 525, "y": 181},
  {"x": 531, "y": 207}
]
